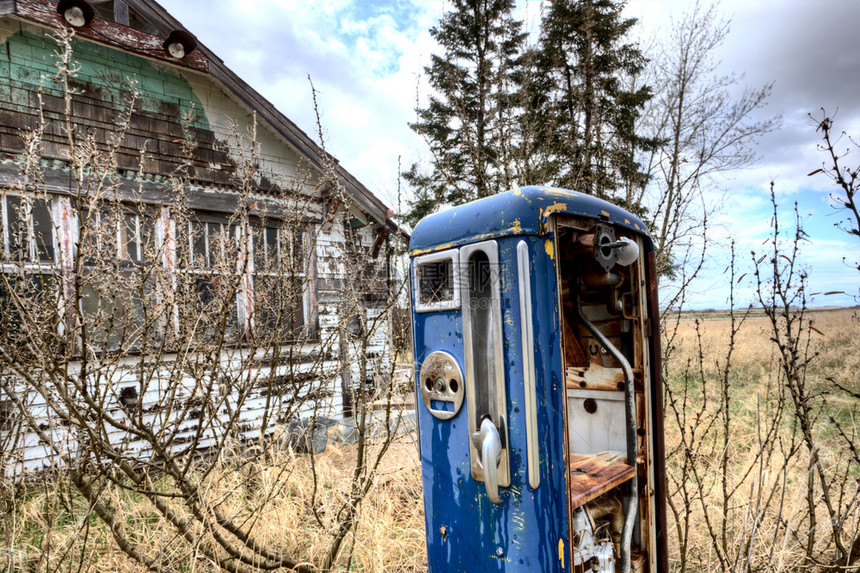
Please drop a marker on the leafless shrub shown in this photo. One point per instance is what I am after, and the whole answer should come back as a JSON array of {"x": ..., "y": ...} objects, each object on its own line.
[
  {"x": 153, "y": 353},
  {"x": 762, "y": 458},
  {"x": 845, "y": 177},
  {"x": 832, "y": 483}
]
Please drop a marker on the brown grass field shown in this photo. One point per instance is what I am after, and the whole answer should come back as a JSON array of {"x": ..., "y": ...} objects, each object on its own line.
[
  {"x": 390, "y": 533},
  {"x": 756, "y": 387}
]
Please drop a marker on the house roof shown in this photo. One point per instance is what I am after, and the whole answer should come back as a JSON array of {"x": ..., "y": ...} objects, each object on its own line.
[
  {"x": 523, "y": 211},
  {"x": 155, "y": 24}
]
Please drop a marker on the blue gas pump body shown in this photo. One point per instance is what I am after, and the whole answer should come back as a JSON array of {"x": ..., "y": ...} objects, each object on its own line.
[{"x": 529, "y": 530}]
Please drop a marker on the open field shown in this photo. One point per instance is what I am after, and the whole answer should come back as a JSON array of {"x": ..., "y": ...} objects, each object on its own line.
[
  {"x": 761, "y": 439},
  {"x": 712, "y": 314},
  {"x": 741, "y": 476},
  {"x": 835, "y": 337}
]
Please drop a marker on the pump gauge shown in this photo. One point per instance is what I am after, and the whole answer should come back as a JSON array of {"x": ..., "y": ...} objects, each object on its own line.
[{"x": 441, "y": 383}]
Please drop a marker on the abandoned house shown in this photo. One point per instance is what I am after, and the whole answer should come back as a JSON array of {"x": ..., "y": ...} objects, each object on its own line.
[{"x": 180, "y": 261}]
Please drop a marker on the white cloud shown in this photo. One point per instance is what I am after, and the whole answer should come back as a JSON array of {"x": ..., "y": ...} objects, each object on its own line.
[{"x": 366, "y": 59}]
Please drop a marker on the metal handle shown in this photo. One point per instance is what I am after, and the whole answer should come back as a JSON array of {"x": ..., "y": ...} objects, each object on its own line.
[{"x": 490, "y": 445}]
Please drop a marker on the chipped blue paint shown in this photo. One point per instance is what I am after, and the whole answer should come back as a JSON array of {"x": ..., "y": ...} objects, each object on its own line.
[
  {"x": 524, "y": 211},
  {"x": 465, "y": 530},
  {"x": 528, "y": 531}
]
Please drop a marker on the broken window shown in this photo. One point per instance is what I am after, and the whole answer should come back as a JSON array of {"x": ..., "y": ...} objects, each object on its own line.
[
  {"x": 115, "y": 241},
  {"x": 225, "y": 279},
  {"x": 212, "y": 263},
  {"x": 28, "y": 229},
  {"x": 29, "y": 262},
  {"x": 436, "y": 281},
  {"x": 279, "y": 279}
]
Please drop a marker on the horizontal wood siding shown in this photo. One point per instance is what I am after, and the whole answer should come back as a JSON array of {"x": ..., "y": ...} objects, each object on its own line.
[
  {"x": 25, "y": 450},
  {"x": 285, "y": 180}
]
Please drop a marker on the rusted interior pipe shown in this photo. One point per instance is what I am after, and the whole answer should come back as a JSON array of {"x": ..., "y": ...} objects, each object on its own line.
[{"x": 630, "y": 407}]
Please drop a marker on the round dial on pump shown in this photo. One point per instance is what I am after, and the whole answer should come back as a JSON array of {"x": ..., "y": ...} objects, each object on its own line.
[{"x": 441, "y": 383}]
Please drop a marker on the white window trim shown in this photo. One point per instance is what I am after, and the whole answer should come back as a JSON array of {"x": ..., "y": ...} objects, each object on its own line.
[{"x": 33, "y": 264}]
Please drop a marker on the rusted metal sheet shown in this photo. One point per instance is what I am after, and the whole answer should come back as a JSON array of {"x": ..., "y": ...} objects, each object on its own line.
[
  {"x": 659, "y": 454},
  {"x": 593, "y": 475},
  {"x": 110, "y": 33}
]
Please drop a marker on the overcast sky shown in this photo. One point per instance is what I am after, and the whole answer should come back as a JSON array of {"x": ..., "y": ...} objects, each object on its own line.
[{"x": 366, "y": 57}]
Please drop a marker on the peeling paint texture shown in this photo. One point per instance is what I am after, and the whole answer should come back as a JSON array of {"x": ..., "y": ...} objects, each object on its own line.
[
  {"x": 112, "y": 60},
  {"x": 524, "y": 211},
  {"x": 527, "y": 523},
  {"x": 527, "y": 528},
  {"x": 561, "y": 552}
]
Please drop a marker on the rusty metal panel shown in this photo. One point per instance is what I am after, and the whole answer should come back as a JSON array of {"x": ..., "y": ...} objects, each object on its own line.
[{"x": 593, "y": 475}]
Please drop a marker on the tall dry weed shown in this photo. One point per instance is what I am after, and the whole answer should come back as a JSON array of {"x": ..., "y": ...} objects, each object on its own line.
[
  {"x": 755, "y": 383},
  {"x": 763, "y": 460},
  {"x": 389, "y": 534}
]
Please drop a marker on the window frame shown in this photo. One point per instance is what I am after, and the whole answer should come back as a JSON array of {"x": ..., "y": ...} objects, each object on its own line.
[
  {"x": 118, "y": 256},
  {"x": 297, "y": 254},
  {"x": 40, "y": 274},
  {"x": 133, "y": 229},
  {"x": 207, "y": 271},
  {"x": 448, "y": 304},
  {"x": 33, "y": 262}
]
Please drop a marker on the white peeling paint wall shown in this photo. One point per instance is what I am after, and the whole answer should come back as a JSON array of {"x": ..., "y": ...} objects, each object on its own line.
[{"x": 164, "y": 401}]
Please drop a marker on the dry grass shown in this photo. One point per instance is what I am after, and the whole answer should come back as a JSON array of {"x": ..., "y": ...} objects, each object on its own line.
[
  {"x": 835, "y": 337},
  {"x": 389, "y": 535},
  {"x": 390, "y": 532},
  {"x": 780, "y": 529}
]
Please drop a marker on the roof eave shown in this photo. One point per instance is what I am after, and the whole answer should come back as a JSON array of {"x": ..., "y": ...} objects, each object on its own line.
[
  {"x": 282, "y": 125},
  {"x": 268, "y": 113}
]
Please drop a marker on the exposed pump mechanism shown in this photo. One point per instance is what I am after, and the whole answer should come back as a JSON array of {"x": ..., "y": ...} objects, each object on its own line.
[
  {"x": 600, "y": 292},
  {"x": 608, "y": 251}
]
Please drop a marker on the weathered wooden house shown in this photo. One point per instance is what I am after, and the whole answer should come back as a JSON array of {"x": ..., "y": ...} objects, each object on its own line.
[{"x": 190, "y": 128}]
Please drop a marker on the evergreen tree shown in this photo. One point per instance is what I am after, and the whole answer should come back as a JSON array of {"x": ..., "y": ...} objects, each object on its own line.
[
  {"x": 468, "y": 120},
  {"x": 586, "y": 121}
]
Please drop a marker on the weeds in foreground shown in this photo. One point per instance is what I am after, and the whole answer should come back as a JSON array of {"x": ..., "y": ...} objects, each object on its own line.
[
  {"x": 388, "y": 535},
  {"x": 762, "y": 416}
]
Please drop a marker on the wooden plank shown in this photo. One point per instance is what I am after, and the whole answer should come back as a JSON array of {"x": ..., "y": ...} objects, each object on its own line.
[
  {"x": 402, "y": 403},
  {"x": 152, "y": 193},
  {"x": 120, "y": 12},
  {"x": 110, "y": 33},
  {"x": 593, "y": 475},
  {"x": 597, "y": 377}
]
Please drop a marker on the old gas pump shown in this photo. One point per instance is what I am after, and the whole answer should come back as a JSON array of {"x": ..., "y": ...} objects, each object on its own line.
[{"x": 537, "y": 362}]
